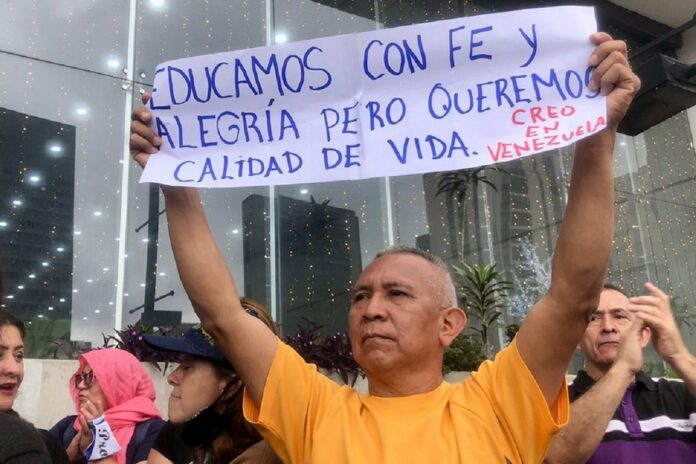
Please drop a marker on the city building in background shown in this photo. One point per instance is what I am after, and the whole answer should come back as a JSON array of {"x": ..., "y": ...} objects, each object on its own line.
[
  {"x": 74, "y": 216},
  {"x": 37, "y": 187}
]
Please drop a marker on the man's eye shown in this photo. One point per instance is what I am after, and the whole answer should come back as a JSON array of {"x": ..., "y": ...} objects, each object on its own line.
[
  {"x": 19, "y": 356},
  {"x": 397, "y": 293},
  {"x": 359, "y": 297}
]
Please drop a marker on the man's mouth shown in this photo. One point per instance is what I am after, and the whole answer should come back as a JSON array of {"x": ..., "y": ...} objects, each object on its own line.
[
  {"x": 376, "y": 337},
  {"x": 609, "y": 343}
]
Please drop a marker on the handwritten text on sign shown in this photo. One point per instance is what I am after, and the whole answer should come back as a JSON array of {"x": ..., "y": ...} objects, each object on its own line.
[{"x": 431, "y": 97}]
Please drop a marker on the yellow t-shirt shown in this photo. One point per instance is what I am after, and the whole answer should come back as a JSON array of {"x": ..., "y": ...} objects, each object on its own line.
[{"x": 498, "y": 415}]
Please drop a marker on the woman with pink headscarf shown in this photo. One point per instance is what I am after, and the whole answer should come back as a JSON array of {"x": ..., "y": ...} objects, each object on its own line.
[{"x": 117, "y": 420}]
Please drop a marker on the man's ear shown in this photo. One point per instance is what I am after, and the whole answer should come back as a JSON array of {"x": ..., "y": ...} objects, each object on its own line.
[
  {"x": 453, "y": 322},
  {"x": 645, "y": 333}
]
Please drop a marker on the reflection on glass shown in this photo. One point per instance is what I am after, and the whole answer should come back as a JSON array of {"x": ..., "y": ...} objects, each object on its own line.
[{"x": 61, "y": 169}]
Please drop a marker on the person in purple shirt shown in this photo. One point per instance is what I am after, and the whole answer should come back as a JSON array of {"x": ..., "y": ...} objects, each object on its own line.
[{"x": 618, "y": 413}]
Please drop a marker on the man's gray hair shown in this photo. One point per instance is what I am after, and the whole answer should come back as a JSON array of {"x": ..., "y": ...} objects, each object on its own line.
[{"x": 446, "y": 293}]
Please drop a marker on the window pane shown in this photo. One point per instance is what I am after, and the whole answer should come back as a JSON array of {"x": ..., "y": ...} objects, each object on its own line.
[
  {"x": 57, "y": 30},
  {"x": 175, "y": 30},
  {"x": 60, "y": 127}
]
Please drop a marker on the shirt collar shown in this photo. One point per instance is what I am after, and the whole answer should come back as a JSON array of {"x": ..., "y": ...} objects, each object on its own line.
[
  {"x": 646, "y": 381},
  {"x": 584, "y": 382}
]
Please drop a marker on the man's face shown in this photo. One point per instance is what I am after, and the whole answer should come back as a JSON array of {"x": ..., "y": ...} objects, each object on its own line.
[
  {"x": 606, "y": 325},
  {"x": 395, "y": 317}
]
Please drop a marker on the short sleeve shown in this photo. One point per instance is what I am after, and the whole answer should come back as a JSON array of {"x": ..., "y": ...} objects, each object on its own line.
[
  {"x": 294, "y": 397},
  {"x": 520, "y": 403}
]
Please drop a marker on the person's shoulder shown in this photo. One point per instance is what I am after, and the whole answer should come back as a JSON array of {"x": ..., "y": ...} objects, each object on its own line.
[
  {"x": 15, "y": 423},
  {"x": 54, "y": 447},
  {"x": 147, "y": 430},
  {"x": 507, "y": 358},
  {"x": 64, "y": 422},
  {"x": 670, "y": 386},
  {"x": 169, "y": 443},
  {"x": 143, "y": 439},
  {"x": 171, "y": 430},
  {"x": 20, "y": 441},
  {"x": 673, "y": 394},
  {"x": 60, "y": 427},
  {"x": 580, "y": 384},
  {"x": 154, "y": 423},
  {"x": 258, "y": 453}
]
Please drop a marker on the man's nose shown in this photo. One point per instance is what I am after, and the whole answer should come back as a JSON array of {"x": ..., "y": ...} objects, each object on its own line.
[
  {"x": 608, "y": 325},
  {"x": 375, "y": 307}
]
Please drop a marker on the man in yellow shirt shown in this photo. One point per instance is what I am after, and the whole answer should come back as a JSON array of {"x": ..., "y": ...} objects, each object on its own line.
[{"x": 402, "y": 318}]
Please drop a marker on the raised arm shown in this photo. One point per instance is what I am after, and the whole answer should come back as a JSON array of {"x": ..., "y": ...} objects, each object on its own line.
[
  {"x": 245, "y": 340},
  {"x": 656, "y": 311},
  {"x": 590, "y": 414},
  {"x": 555, "y": 324}
]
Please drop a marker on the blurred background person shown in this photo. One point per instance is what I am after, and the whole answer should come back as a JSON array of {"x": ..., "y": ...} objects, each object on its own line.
[
  {"x": 20, "y": 443},
  {"x": 618, "y": 412},
  {"x": 11, "y": 375},
  {"x": 206, "y": 424},
  {"x": 111, "y": 382}
]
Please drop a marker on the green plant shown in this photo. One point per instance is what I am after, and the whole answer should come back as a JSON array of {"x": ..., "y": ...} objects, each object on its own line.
[
  {"x": 483, "y": 294},
  {"x": 319, "y": 215},
  {"x": 510, "y": 331},
  {"x": 42, "y": 334},
  {"x": 464, "y": 354},
  {"x": 131, "y": 339},
  {"x": 670, "y": 373},
  {"x": 62, "y": 348}
]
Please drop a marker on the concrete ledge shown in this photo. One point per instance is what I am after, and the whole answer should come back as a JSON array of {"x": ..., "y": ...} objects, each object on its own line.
[{"x": 44, "y": 398}]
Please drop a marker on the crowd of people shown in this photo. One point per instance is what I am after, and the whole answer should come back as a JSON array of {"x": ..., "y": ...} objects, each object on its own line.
[{"x": 240, "y": 395}]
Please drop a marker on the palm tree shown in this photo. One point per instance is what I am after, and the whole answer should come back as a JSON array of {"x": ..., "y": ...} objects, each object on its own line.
[
  {"x": 319, "y": 217},
  {"x": 456, "y": 185},
  {"x": 484, "y": 294}
]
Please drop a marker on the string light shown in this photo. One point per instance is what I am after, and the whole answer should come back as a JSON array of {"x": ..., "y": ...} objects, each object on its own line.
[{"x": 654, "y": 194}]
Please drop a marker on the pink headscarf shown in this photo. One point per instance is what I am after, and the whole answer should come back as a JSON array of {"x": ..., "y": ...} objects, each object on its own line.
[{"x": 128, "y": 389}]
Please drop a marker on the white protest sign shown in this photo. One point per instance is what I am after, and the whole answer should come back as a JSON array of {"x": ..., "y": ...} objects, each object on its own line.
[{"x": 431, "y": 97}]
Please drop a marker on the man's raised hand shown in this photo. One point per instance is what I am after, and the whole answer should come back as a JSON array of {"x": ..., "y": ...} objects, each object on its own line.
[
  {"x": 656, "y": 311},
  {"x": 143, "y": 140},
  {"x": 613, "y": 76}
]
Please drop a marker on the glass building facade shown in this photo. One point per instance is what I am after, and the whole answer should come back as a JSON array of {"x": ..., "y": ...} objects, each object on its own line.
[{"x": 84, "y": 246}]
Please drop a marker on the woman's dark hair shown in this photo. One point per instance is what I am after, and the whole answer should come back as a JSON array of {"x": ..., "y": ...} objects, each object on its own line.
[
  {"x": 238, "y": 434},
  {"x": 8, "y": 319}
]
